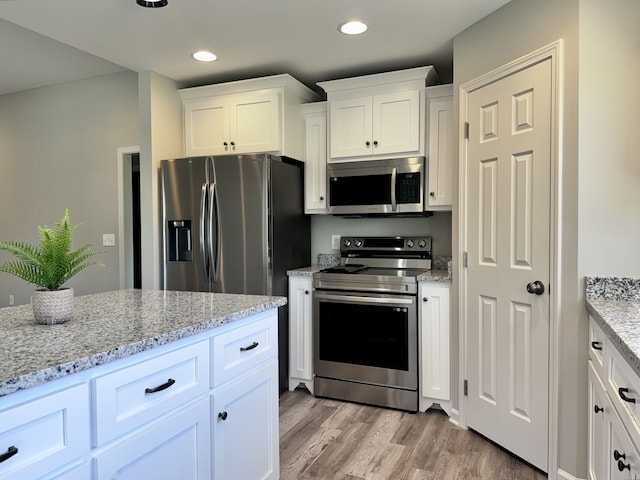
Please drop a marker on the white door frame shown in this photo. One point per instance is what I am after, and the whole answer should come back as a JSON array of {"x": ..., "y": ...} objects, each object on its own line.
[
  {"x": 123, "y": 155},
  {"x": 553, "y": 52}
]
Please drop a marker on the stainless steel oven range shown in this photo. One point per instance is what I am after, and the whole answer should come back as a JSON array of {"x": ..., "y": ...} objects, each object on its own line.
[{"x": 365, "y": 321}]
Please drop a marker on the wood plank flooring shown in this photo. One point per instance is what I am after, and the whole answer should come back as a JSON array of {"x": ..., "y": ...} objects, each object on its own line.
[{"x": 332, "y": 440}]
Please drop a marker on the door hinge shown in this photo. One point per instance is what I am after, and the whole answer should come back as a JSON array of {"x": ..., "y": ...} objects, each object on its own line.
[
  {"x": 466, "y": 130},
  {"x": 465, "y": 387},
  {"x": 464, "y": 259}
]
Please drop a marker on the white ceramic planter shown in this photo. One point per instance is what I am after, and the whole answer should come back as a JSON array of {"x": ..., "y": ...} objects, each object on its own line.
[{"x": 51, "y": 307}]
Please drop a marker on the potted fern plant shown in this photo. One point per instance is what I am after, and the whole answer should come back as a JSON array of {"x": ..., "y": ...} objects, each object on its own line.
[{"x": 48, "y": 266}]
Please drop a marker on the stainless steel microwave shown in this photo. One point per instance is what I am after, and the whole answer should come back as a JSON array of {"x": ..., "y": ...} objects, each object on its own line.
[{"x": 377, "y": 187}]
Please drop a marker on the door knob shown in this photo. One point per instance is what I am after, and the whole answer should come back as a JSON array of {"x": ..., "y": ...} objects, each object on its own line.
[{"x": 536, "y": 287}]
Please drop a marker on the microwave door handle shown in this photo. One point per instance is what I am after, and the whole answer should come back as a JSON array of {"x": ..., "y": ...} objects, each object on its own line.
[{"x": 394, "y": 174}]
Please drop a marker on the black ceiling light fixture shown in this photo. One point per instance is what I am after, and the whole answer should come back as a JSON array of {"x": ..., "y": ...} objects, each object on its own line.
[{"x": 152, "y": 3}]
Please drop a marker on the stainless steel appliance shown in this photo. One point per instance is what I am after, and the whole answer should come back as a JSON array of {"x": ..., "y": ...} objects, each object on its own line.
[
  {"x": 365, "y": 321},
  {"x": 379, "y": 187},
  {"x": 235, "y": 224}
]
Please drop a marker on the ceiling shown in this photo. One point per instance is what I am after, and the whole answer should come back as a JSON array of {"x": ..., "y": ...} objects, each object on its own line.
[{"x": 45, "y": 42}]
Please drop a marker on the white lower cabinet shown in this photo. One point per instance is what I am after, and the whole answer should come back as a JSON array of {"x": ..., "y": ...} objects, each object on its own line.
[
  {"x": 433, "y": 346},
  {"x": 176, "y": 447},
  {"x": 151, "y": 413},
  {"x": 44, "y": 434},
  {"x": 613, "y": 438},
  {"x": 300, "y": 334},
  {"x": 245, "y": 426}
]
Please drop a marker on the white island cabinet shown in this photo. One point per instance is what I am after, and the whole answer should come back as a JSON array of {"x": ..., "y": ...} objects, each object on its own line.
[
  {"x": 300, "y": 332},
  {"x": 184, "y": 385}
]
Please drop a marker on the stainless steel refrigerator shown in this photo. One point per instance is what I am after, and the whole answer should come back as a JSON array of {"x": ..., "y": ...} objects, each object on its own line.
[{"x": 235, "y": 224}]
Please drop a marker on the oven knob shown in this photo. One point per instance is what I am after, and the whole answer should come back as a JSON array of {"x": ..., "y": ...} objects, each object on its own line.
[
  {"x": 410, "y": 243},
  {"x": 358, "y": 243},
  {"x": 347, "y": 243},
  {"x": 422, "y": 244}
]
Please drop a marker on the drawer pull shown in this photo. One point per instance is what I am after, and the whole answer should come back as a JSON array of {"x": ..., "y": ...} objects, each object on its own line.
[
  {"x": 617, "y": 455},
  {"x": 250, "y": 347},
  {"x": 596, "y": 345},
  {"x": 223, "y": 416},
  {"x": 11, "y": 451},
  {"x": 597, "y": 409},
  {"x": 159, "y": 388},
  {"x": 622, "y": 391},
  {"x": 622, "y": 466}
]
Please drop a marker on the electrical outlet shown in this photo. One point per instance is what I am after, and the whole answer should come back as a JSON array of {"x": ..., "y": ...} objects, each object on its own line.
[
  {"x": 12, "y": 300},
  {"x": 335, "y": 242},
  {"x": 108, "y": 239}
]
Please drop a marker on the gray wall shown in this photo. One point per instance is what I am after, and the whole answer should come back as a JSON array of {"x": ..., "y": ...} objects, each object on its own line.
[
  {"x": 599, "y": 168},
  {"x": 324, "y": 226},
  {"x": 58, "y": 149}
]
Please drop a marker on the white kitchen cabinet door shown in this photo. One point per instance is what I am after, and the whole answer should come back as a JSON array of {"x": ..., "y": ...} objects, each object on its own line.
[
  {"x": 434, "y": 344},
  {"x": 351, "y": 124},
  {"x": 396, "y": 123},
  {"x": 599, "y": 411},
  {"x": 233, "y": 124},
  {"x": 624, "y": 461},
  {"x": 176, "y": 447},
  {"x": 245, "y": 427},
  {"x": 315, "y": 161},
  {"x": 300, "y": 335},
  {"x": 440, "y": 138}
]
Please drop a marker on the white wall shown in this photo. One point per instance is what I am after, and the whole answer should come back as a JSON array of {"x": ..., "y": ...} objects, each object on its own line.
[
  {"x": 58, "y": 149},
  {"x": 520, "y": 27},
  {"x": 324, "y": 226}
]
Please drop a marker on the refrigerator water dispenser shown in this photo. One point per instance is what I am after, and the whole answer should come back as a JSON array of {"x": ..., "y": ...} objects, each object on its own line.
[{"x": 179, "y": 243}]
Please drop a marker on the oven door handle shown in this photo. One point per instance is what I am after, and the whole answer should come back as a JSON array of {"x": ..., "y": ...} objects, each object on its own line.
[{"x": 361, "y": 299}]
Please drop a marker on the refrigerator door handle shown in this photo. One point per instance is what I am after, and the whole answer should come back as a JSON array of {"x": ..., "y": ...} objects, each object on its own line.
[
  {"x": 214, "y": 222},
  {"x": 203, "y": 227}
]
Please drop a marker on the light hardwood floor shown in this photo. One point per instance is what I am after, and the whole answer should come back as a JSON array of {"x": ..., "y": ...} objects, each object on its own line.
[{"x": 332, "y": 440}]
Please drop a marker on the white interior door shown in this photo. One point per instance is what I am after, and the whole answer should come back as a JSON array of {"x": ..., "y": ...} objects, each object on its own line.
[{"x": 508, "y": 219}]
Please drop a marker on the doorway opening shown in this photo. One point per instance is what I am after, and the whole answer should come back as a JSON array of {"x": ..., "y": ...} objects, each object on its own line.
[{"x": 130, "y": 217}]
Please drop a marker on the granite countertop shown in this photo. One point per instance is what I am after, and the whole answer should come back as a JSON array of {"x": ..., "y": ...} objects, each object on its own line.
[
  {"x": 108, "y": 326},
  {"x": 614, "y": 302}
]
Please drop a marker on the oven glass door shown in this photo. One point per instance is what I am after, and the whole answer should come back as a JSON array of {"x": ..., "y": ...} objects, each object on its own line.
[{"x": 370, "y": 338}]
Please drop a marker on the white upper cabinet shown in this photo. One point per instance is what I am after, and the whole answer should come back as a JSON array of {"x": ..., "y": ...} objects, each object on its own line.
[
  {"x": 248, "y": 116},
  {"x": 377, "y": 116},
  {"x": 440, "y": 139},
  {"x": 315, "y": 157}
]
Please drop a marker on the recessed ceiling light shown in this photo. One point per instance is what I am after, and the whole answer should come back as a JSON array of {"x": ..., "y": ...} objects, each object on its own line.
[
  {"x": 204, "y": 56},
  {"x": 152, "y": 3},
  {"x": 354, "y": 27}
]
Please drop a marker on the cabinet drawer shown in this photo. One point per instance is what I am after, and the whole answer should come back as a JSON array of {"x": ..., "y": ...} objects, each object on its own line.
[
  {"x": 45, "y": 433},
  {"x": 597, "y": 345},
  {"x": 134, "y": 395},
  {"x": 237, "y": 351},
  {"x": 624, "y": 388}
]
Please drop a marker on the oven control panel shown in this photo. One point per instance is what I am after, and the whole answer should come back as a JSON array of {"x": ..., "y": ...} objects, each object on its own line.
[{"x": 380, "y": 245}]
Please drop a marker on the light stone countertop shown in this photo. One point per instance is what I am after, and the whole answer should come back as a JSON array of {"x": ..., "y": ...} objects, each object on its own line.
[
  {"x": 615, "y": 304},
  {"x": 108, "y": 326}
]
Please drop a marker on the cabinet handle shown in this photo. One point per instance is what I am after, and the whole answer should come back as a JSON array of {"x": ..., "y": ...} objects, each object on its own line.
[
  {"x": 617, "y": 455},
  {"x": 367, "y": 143},
  {"x": 596, "y": 345},
  {"x": 425, "y": 299},
  {"x": 622, "y": 391},
  {"x": 11, "y": 451},
  {"x": 223, "y": 416},
  {"x": 432, "y": 194},
  {"x": 233, "y": 144},
  {"x": 225, "y": 144},
  {"x": 598, "y": 409},
  {"x": 159, "y": 388},
  {"x": 306, "y": 292},
  {"x": 321, "y": 198},
  {"x": 622, "y": 466},
  {"x": 375, "y": 143},
  {"x": 250, "y": 347}
]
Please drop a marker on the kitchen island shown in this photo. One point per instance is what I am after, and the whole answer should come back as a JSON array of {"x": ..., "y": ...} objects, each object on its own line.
[{"x": 141, "y": 380}]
